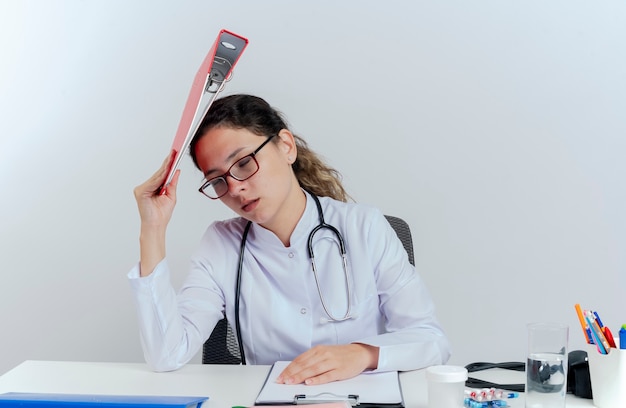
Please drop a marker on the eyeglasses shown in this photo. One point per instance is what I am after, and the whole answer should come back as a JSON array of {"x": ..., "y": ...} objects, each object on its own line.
[{"x": 241, "y": 170}]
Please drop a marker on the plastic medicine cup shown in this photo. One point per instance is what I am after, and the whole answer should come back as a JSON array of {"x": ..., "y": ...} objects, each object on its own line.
[{"x": 446, "y": 386}]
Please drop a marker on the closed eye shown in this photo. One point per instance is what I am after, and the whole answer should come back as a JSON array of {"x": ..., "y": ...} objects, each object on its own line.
[{"x": 244, "y": 161}]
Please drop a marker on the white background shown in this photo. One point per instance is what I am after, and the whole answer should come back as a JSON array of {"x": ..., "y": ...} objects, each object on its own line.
[{"x": 495, "y": 128}]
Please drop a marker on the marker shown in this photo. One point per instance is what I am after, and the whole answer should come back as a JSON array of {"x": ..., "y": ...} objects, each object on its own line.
[
  {"x": 583, "y": 324},
  {"x": 609, "y": 336},
  {"x": 622, "y": 337}
]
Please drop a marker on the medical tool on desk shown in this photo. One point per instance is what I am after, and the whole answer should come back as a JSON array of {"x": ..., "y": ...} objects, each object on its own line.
[{"x": 342, "y": 249}]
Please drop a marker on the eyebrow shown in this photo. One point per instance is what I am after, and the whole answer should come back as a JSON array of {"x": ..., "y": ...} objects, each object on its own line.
[{"x": 228, "y": 159}]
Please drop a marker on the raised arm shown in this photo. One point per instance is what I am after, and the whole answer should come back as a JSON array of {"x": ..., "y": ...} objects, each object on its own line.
[{"x": 155, "y": 211}]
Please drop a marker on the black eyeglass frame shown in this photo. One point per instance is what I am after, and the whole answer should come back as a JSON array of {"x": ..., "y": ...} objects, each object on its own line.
[{"x": 228, "y": 173}]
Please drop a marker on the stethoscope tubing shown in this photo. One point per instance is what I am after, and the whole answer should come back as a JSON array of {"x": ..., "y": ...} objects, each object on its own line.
[
  {"x": 342, "y": 249},
  {"x": 238, "y": 292}
]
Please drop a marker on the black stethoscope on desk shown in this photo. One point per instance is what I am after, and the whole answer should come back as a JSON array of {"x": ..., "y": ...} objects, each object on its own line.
[{"x": 342, "y": 250}]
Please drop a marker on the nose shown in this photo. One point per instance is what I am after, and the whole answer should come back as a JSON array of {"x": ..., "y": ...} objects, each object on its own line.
[{"x": 235, "y": 186}]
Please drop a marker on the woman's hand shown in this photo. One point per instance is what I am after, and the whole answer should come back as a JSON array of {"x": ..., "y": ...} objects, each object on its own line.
[
  {"x": 323, "y": 364},
  {"x": 155, "y": 211}
]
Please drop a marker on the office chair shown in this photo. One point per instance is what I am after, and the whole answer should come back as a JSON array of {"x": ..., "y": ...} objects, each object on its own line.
[
  {"x": 404, "y": 233},
  {"x": 222, "y": 348}
]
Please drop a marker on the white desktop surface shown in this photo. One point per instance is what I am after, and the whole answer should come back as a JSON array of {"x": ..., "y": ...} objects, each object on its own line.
[{"x": 225, "y": 385}]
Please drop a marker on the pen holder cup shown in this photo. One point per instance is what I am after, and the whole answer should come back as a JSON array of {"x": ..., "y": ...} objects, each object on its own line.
[{"x": 608, "y": 376}]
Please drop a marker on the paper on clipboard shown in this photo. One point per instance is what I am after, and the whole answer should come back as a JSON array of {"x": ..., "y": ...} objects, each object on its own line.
[
  {"x": 209, "y": 81},
  {"x": 372, "y": 389}
]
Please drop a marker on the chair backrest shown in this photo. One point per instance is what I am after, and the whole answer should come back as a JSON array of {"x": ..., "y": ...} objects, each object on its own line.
[
  {"x": 404, "y": 233},
  {"x": 222, "y": 347}
]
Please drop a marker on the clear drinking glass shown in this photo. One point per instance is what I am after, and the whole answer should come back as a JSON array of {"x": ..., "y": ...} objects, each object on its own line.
[{"x": 546, "y": 365}]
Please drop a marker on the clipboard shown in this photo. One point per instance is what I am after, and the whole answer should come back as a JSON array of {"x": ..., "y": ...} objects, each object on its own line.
[
  {"x": 365, "y": 390},
  {"x": 214, "y": 72}
]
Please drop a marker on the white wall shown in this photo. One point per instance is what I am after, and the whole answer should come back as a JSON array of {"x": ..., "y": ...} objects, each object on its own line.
[{"x": 495, "y": 128}]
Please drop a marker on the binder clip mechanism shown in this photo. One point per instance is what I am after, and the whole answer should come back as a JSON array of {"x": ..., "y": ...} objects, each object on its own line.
[
  {"x": 229, "y": 48},
  {"x": 301, "y": 399},
  {"x": 220, "y": 69}
]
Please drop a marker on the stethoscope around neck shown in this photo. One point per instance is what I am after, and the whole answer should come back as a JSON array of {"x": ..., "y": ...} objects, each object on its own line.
[{"x": 342, "y": 250}]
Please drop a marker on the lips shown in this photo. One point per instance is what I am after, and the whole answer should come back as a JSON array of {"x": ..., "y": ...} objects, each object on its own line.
[{"x": 249, "y": 205}]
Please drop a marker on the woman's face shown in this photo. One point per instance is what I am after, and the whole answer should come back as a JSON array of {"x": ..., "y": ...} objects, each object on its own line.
[{"x": 262, "y": 197}]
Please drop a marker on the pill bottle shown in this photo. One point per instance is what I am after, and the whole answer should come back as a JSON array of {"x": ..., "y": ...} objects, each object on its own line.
[{"x": 446, "y": 386}]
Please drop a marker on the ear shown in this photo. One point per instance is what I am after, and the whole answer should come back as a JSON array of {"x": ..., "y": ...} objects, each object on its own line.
[{"x": 287, "y": 146}]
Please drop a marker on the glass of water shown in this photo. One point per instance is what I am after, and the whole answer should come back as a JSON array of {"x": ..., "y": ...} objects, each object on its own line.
[{"x": 546, "y": 366}]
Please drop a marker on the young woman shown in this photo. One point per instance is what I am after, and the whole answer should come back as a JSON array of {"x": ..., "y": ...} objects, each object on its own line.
[{"x": 334, "y": 317}]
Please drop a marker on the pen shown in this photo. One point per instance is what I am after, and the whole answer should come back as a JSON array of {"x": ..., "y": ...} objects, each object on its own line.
[
  {"x": 598, "y": 336},
  {"x": 583, "y": 324},
  {"x": 598, "y": 319},
  {"x": 598, "y": 329},
  {"x": 605, "y": 330},
  {"x": 622, "y": 337}
]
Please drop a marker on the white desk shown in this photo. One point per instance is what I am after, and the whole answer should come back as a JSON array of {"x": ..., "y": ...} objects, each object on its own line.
[{"x": 225, "y": 385}]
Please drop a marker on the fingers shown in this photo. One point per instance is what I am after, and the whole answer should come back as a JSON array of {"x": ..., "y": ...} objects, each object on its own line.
[
  {"x": 323, "y": 364},
  {"x": 309, "y": 364},
  {"x": 156, "y": 204},
  {"x": 324, "y": 378},
  {"x": 170, "y": 188},
  {"x": 159, "y": 178},
  {"x": 316, "y": 373},
  {"x": 153, "y": 185}
]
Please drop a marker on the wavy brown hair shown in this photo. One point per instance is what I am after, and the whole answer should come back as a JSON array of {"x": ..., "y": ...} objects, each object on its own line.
[{"x": 256, "y": 115}]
